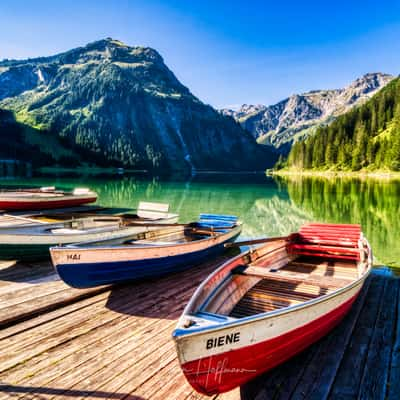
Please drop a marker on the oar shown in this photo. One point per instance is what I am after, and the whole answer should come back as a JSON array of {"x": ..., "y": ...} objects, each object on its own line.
[{"x": 255, "y": 241}]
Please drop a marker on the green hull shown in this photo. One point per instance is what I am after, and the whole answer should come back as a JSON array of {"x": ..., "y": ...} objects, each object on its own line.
[{"x": 25, "y": 252}]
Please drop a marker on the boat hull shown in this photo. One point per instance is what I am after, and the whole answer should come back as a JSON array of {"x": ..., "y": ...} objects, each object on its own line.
[
  {"x": 26, "y": 204},
  {"x": 84, "y": 275},
  {"x": 225, "y": 370},
  {"x": 31, "y": 247},
  {"x": 24, "y": 252}
]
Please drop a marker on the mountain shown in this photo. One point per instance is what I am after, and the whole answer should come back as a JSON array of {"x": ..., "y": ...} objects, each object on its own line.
[
  {"x": 298, "y": 116},
  {"x": 113, "y": 104},
  {"x": 367, "y": 137}
]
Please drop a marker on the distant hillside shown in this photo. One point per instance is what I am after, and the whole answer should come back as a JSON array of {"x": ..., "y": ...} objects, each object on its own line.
[
  {"x": 367, "y": 137},
  {"x": 298, "y": 116},
  {"x": 111, "y": 104},
  {"x": 24, "y": 143}
]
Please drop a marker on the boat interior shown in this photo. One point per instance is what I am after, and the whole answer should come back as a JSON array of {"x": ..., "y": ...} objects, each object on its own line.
[
  {"x": 170, "y": 234},
  {"x": 153, "y": 212},
  {"x": 284, "y": 273},
  {"x": 79, "y": 225},
  {"x": 162, "y": 236}
]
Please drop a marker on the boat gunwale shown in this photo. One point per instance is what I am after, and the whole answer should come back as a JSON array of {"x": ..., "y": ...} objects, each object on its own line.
[
  {"x": 47, "y": 199},
  {"x": 180, "y": 332},
  {"x": 41, "y": 229},
  {"x": 34, "y": 229},
  {"x": 77, "y": 246}
]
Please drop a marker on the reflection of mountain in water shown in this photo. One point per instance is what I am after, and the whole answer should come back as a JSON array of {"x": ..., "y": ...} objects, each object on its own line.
[
  {"x": 373, "y": 204},
  {"x": 275, "y": 216},
  {"x": 264, "y": 207},
  {"x": 267, "y": 207}
]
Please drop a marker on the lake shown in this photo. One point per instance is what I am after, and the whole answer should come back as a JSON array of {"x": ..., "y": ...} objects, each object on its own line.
[{"x": 267, "y": 206}]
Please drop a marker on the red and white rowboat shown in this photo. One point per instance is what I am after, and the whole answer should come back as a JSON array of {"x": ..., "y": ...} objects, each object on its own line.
[
  {"x": 44, "y": 198},
  {"x": 264, "y": 306}
]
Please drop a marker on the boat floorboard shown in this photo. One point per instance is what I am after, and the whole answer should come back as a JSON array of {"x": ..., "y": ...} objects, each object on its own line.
[
  {"x": 115, "y": 342},
  {"x": 293, "y": 284}
]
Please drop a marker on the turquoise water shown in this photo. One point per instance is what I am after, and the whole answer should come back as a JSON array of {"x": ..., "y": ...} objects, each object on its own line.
[{"x": 267, "y": 206}]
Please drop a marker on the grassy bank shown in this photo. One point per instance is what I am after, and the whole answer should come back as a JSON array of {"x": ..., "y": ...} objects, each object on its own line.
[{"x": 384, "y": 174}]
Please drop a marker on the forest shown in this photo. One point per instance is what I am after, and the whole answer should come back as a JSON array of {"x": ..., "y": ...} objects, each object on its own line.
[{"x": 366, "y": 138}]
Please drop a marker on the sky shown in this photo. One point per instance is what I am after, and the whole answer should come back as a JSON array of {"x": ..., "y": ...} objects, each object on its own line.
[{"x": 226, "y": 52}]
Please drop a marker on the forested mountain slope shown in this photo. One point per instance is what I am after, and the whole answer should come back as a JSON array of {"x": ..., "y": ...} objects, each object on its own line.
[
  {"x": 368, "y": 137},
  {"x": 117, "y": 105}
]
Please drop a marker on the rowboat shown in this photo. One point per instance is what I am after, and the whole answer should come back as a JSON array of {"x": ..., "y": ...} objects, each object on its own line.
[
  {"x": 146, "y": 255},
  {"x": 44, "y": 198},
  {"x": 264, "y": 306},
  {"x": 146, "y": 213},
  {"x": 32, "y": 240}
]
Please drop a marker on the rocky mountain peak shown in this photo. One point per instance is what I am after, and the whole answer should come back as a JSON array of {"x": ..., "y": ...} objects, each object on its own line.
[
  {"x": 361, "y": 88},
  {"x": 297, "y": 116},
  {"x": 114, "y": 50},
  {"x": 122, "y": 104}
]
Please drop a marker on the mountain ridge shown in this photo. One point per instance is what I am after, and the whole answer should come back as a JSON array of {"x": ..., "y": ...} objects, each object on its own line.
[
  {"x": 122, "y": 104},
  {"x": 298, "y": 116}
]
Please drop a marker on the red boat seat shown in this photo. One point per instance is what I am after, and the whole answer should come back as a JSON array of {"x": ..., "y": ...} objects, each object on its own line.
[{"x": 338, "y": 241}]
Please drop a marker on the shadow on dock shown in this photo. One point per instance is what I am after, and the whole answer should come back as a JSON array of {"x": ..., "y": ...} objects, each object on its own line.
[
  {"x": 14, "y": 390},
  {"x": 13, "y": 271},
  {"x": 162, "y": 298}
]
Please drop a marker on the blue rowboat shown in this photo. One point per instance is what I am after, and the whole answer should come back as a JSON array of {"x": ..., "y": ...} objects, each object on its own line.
[{"x": 148, "y": 254}]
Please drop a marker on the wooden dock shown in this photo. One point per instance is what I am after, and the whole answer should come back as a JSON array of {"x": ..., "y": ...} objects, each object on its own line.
[{"x": 115, "y": 343}]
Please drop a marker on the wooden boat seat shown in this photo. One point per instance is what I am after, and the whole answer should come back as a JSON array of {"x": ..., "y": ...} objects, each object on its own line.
[
  {"x": 154, "y": 211},
  {"x": 268, "y": 295},
  {"x": 338, "y": 242},
  {"x": 346, "y": 269},
  {"x": 325, "y": 282}
]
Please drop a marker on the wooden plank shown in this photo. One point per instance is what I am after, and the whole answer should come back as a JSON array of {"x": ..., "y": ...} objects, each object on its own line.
[
  {"x": 179, "y": 286},
  {"x": 94, "y": 355},
  {"x": 280, "y": 382},
  {"x": 151, "y": 206},
  {"x": 23, "y": 311},
  {"x": 106, "y": 372},
  {"x": 376, "y": 371},
  {"x": 152, "y": 210},
  {"x": 22, "y": 327},
  {"x": 70, "y": 356},
  {"x": 7, "y": 287},
  {"x": 13, "y": 272},
  {"x": 394, "y": 381},
  {"x": 117, "y": 344},
  {"x": 346, "y": 385},
  {"x": 20, "y": 295},
  {"x": 320, "y": 372},
  {"x": 323, "y": 282},
  {"x": 68, "y": 328}
]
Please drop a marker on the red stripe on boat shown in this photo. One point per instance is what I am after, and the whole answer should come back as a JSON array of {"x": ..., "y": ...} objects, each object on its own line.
[{"x": 46, "y": 204}]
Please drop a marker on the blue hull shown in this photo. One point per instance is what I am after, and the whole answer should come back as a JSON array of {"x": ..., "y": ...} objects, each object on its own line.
[{"x": 96, "y": 274}]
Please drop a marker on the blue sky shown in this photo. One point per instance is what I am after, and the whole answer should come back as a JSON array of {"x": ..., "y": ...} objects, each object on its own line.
[{"x": 226, "y": 52}]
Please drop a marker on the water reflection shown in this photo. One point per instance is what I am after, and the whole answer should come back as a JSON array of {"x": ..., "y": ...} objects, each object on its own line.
[
  {"x": 266, "y": 206},
  {"x": 372, "y": 203}
]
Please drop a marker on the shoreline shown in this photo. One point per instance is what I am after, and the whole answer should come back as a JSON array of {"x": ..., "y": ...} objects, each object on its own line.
[{"x": 386, "y": 175}]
